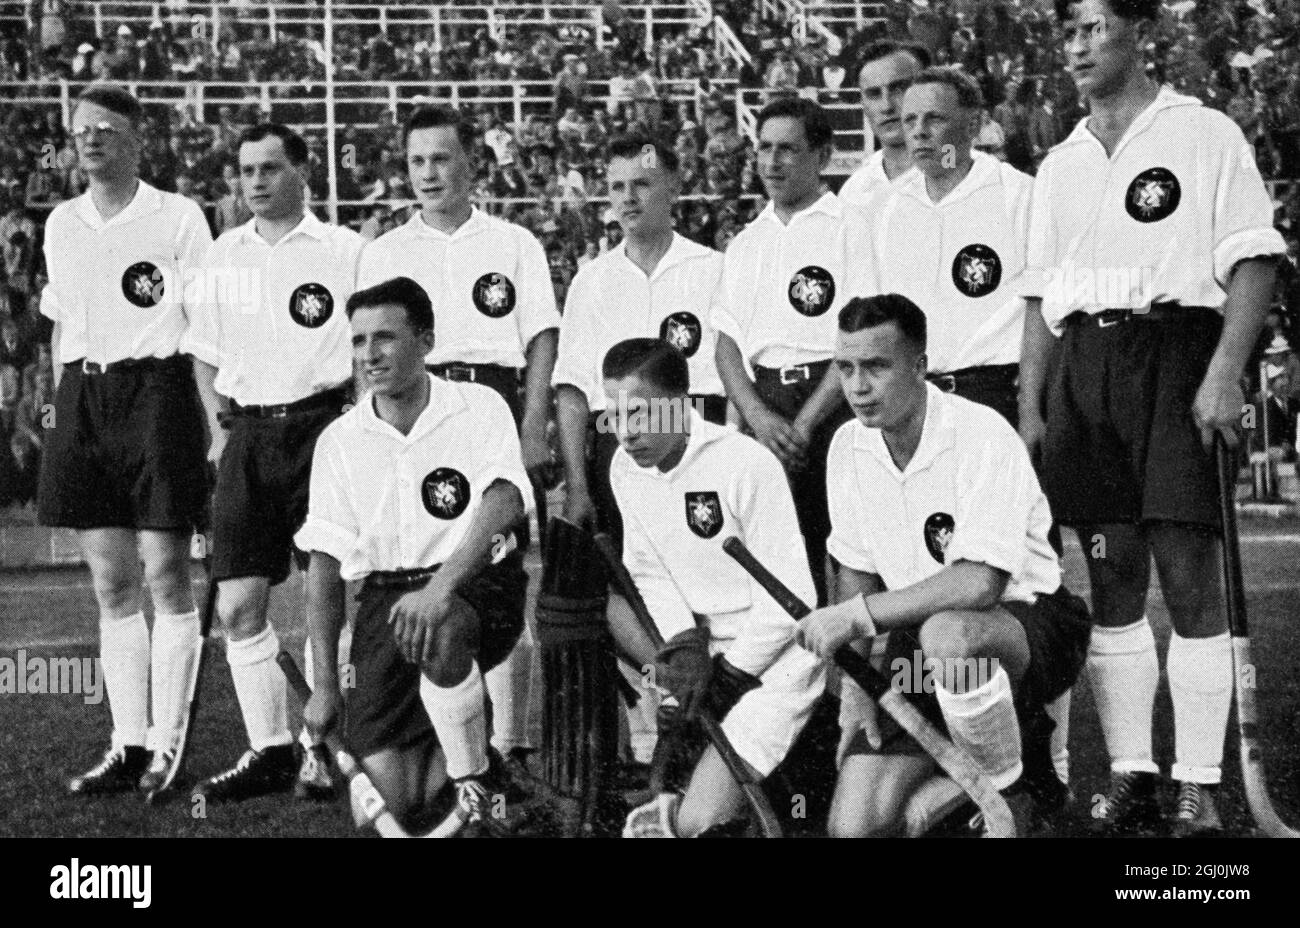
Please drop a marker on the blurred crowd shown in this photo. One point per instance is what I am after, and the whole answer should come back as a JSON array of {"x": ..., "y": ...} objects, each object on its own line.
[{"x": 547, "y": 171}]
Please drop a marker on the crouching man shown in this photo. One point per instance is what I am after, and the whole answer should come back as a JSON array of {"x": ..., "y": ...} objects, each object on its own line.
[{"x": 683, "y": 485}]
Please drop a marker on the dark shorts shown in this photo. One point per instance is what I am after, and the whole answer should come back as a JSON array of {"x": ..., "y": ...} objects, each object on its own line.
[
  {"x": 262, "y": 488},
  {"x": 383, "y": 707},
  {"x": 1057, "y": 629},
  {"x": 127, "y": 449},
  {"x": 996, "y": 386},
  {"x": 1121, "y": 445}
]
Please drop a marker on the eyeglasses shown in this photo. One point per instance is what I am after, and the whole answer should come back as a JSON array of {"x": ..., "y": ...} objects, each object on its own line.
[{"x": 103, "y": 130}]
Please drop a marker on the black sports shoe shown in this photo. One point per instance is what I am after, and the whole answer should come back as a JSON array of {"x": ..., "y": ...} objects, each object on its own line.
[
  {"x": 1130, "y": 808},
  {"x": 159, "y": 763},
  {"x": 1197, "y": 815},
  {"x": 118, "y": 772},
  {"x": 258, "y": 773},
  {"x": 314, "y": 782}
]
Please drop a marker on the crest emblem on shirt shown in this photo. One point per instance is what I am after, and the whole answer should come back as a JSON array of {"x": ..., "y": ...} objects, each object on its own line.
[
  {"x": 938, "y": 535},
  {"x": 445, "y": 493},
  {"x": 812, "y": 290},
  {"x": 1153, "y": 195},
  {"x": 311, "y": 305},
  {"x": 977, "y": 270},
  {"x": 682, "y": 331},
  {"x": 704, "y": 513},
  {"x": 494, "y": 295},
  {"x": 142, "y": 284}
]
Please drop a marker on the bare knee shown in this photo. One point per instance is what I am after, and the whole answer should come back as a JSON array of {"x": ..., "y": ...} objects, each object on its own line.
[
  {"x": 117, "y": 587},
  {"x": 866, "y": 818},
  {"x": 453, "y": 654},
  {"x": 951, "y": 635},
  {"x": 168, "y": 580},
  {"x": 241, "y": 611}
]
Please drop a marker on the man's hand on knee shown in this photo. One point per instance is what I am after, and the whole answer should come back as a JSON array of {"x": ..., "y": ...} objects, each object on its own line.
[{"x": 417, "y": 617}]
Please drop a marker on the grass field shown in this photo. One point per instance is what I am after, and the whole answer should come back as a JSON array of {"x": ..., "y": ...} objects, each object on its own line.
[{"x": 46, "y": 738}]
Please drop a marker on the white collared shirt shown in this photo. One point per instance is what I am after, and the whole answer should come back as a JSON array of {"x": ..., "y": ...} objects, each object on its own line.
[
  {"x": 783, "y": 284},
  {"x": 271, "y": 318},
  {"x": 1165, "y": 218},
  {"x": 117, "y": 288},
  {"x": 381, "y": 500},
  {"x": 968, "y": 494},
  {"x": 611, "y": 299},
  {"x": 674, "y": 524},
  {"x": 869, "y": 182},
  {"x": 960, "y": 260},
  {"x": 489, "y": 282}
]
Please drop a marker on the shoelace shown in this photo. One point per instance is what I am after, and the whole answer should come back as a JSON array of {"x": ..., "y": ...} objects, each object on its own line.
[
  {"x": 162, "y": 760},
  {"x": 244, "y": 763},
  {"x": 472, "y": 796},
  {"x": 1189, "y": 801},
  {"x": 1120, "y": 793},
  {"x": 111, "y": 759}
]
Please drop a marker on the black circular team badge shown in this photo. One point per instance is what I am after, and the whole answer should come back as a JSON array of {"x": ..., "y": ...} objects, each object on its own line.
[
  {"x": 682, "y": 331},
  {"x": 445, "y": 493},
  {"x": 311, "y": 305},
  {"x": 977, "y": 270},
  {"x": 494, "y": 295},
  {"x": 704, "y": 513},
  {"x": 812, "y": 290},
  {"x": 142, "y": 284},
  {"x": 938, "y": 535},
  {"x": 1153, "y": 195}
]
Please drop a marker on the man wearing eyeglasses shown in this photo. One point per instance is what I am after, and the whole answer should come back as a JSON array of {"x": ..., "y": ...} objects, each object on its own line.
[
  {"x": 1151, "y": 258},
  {"x": 125, "y": 465}
]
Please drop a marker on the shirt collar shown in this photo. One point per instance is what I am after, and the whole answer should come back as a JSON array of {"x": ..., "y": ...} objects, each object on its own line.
[
  {"x": 445, "y": 401},
  {"x": 703, "y": 434},
  {"x": 983, "y": 170},
  {"x": 419, "y": 227},
  {"x": 937, "y": 435},
  {"x": 1167, "y": 98},
  {"x": 827, "y": 203},
  {"x": 147, "y": 200},
  {"x": 309, "y": 225},
  {"x": 681, "y": 249}
]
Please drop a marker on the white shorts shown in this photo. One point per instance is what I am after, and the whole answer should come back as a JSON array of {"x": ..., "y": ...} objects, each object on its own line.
[{"x": 765, "y": 723}]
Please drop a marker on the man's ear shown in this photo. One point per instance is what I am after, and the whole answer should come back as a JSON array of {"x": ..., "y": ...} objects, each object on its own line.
[
  {"x": 824, "y": 157},
  {"x": 426, "y": 339}
]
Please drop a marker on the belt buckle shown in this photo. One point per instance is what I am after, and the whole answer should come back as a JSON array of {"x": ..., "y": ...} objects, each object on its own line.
[
  {"x": 92, "y": 367},
  {"x": 790, "y": 369},
  {"x": 945, "y": 382},
  {"x": 1102, "y": 323},
  {"x": 461, "y": 373},
  {"x": 278, "y": 412}
]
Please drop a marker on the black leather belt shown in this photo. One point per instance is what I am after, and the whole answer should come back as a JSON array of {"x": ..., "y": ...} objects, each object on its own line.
[
  {"x": 393, "y": 579},
  {"x": 94, "y": 368},
  {"x": 472, "y": 373},
  {"x": 793, "y": 373},
  {"x": 1156, "y": 312},
  {"x": 335, "y": 396},
  {"x": 975, "y": 377}
]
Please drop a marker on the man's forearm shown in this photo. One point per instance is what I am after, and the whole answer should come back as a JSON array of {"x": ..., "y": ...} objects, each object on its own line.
[
  {"x": 537, "y": 376},
  {"x": 1249, "y": 294},
  {"x": 964, "y": 586},
  {"x": 1037, "y": 348},
  {"x": 731, "y": 369},
  {"x": 213, "y": 403},
  {"x": 571, "y": 413},
  {"x": 325, "y": 617},
  {"x": 501, "y": 510},
  {"x": 825, "y": 398}
]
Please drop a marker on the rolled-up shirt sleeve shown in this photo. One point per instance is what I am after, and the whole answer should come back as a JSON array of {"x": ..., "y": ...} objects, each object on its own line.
[
  {"x": 202, "y": 336},
  {"x": 1243, "y": 211},
  {"x": 993, "y": 507},
  {"x": 498, "y": 430},
  {"x": 332, "y": 527},
  {"x": 847, "y": 543},
  {"x": 663, "y": 600},
  {"x": 573, "y": 362},
  {"x": 537, "y": 309}
]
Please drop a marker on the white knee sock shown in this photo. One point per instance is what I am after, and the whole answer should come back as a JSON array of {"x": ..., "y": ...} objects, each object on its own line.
[
  {"x": 642, "y": 723},
  {"x": 1200, "y": 682},
  {"x": 1059, "y": 711},
  {"x": 124, "y": 662},
  {"x": 1123, "y": 673},
  {"x": 459, "y": 721},
  {"x": 983, "y": 722},
  {"x": 175, "y": 658},
  {"x": 260, "y": 686},
  {"x": 510, "y": 687}
]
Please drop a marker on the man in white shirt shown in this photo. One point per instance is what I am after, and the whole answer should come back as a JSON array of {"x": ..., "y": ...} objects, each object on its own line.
[
  {"x": 416, "y": 492},
  {"x": 940, "y": 534},
  {"x": 783, "y": 279},
  {"x": 684, "y": 485},
  {"x": 1151, "y": 258},
  {"x": 886, "y": 72},
  {"x": 497, "y": 324},
  {"x": 273, "y": 365},
  {"x": 950, "y": 236},
  {"x": 125, "y": 466}
]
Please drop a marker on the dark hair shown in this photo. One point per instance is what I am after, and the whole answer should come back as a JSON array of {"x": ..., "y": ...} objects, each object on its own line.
[
  {"x": 401, "y": 291},
  {"x": 867, "y": 312},
  {"x": 653, "y": 359},
  {"x": 114, "y": 99},
  {"x": 635, "y": 145},
  {"x": 295, "y": 146},
  {"x": 435, "y": 117},
  {"x": 968, "y": 92},
  {"x": 886, "y": 47},
  {"x": 816, "y": 124},
  {"x": 1124, "y": 9}
]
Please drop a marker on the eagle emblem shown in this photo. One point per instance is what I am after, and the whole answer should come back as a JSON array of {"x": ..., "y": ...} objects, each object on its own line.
[
  {"x": 812, "y": 290},
  {"x": 142, "y": 284},
  {"x": 494, "y": 295},
  {"x": 938, "y": 535},
  {"x": 311, "y": 305},
  {"x": 704, "y": 513},
  {"x": 445, "y": 493},
  {"x": 682, "y": 331},
  {"x": 1153, "y": 195},
  {"x": 977, "y": 270}
]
